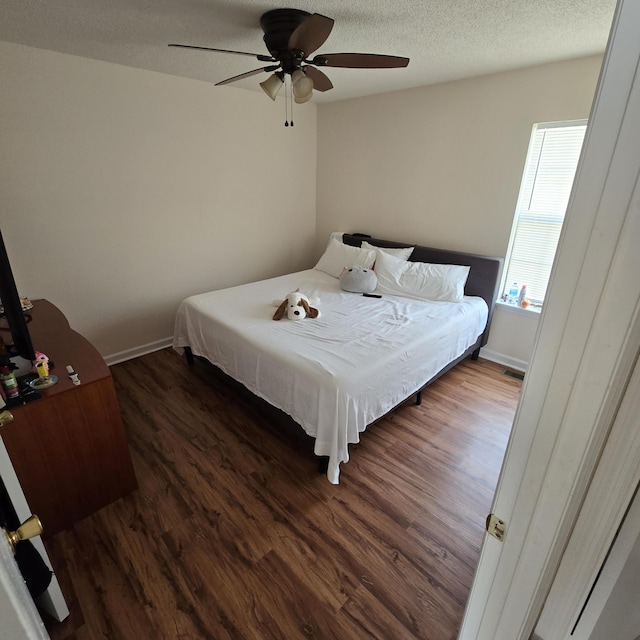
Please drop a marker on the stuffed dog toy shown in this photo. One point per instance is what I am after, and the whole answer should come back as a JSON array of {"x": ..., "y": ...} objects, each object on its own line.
[{"x": 297, "y": 306}]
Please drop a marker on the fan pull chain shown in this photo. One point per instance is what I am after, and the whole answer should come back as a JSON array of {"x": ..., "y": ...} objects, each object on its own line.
[
  {"x": 286, "y": 102},
  {"x": 291, "y": 102}
]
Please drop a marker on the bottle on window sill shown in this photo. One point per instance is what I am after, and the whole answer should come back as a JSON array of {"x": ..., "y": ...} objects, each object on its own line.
[
  {"x": 522, "y": 295},
  {"x": 513, "y": 294}
]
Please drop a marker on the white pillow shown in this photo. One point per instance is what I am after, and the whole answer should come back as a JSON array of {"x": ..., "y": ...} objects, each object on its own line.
[
  {"x": 420, "y": 280},
  {"x": 398, "y": 252},
  {"x": 338, "y": 255}
]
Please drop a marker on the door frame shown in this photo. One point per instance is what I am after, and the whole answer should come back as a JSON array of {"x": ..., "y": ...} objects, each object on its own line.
[
  {"x": 604, "y": 535},
  {"x": 582, "y": 359}
]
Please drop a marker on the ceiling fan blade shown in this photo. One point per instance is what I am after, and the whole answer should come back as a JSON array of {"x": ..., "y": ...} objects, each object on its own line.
[
  {"x": 247, "y": 74},
  {"x": 359, "y": 61},
  {"x": 320, "y": 81},
  {"x": 258, "y": 56},
  {"x": 310, "y": 34}
]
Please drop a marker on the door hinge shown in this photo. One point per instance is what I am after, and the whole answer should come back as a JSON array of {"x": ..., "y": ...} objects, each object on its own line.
[{"x": 496, "y": 527}]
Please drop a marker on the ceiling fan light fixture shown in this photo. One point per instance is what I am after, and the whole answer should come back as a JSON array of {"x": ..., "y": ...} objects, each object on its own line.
[
  {"x": 302, "y": 86},
  {"x": 291, "y": 36},
  {"x": 272, "y": 85}
]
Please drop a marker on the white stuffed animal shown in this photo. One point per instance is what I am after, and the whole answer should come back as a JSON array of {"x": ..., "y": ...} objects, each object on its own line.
[{"x": 297, "y": 306}]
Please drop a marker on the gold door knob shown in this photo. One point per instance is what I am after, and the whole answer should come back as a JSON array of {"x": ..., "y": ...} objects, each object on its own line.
[
  {"x": 30, "y": 528},
  {"x": 5, "y": 418}
]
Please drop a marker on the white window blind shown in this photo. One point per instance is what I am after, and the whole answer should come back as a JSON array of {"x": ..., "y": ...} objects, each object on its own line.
[{"x": 548, "y": 176}]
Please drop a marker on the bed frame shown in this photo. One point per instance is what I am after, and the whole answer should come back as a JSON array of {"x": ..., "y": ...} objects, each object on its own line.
[{"x": 483, "y": 281}]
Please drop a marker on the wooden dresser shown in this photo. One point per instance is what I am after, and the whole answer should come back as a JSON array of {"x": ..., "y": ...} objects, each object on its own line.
[{"x": 69, "y": 448}]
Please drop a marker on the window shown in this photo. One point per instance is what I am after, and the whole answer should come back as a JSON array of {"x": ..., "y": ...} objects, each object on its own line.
[{"x": 554, "y": 150}]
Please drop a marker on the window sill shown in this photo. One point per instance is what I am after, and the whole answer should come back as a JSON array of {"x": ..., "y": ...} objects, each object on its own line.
[{"x": 531, "y": 312}]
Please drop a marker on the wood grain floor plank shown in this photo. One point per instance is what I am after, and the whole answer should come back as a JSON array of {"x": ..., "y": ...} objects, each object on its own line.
[
  {"x": 381, "y": 557},
  {"x": 373, "y": 620},
  {"x": 234, "y": 534}
]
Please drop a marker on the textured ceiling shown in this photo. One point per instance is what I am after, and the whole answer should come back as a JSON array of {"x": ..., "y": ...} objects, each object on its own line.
[{"x": 445, "y": 39}]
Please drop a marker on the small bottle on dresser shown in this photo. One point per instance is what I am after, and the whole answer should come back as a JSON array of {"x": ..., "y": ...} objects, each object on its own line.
[{"x": 9, "y": 382}]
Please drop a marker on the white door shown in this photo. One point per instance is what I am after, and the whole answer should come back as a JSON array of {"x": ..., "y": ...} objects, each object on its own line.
[
  {"x": 20, "y": 618},
  {"x": 52, "y": 601},
  {"x": 582, "y": 359}
]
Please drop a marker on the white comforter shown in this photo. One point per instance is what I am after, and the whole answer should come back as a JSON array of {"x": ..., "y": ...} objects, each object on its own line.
[{"x": 335, "y": 374}]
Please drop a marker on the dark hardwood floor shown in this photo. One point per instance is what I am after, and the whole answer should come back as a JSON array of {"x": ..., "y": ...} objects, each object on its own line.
[{"x": 233, "y": 533}]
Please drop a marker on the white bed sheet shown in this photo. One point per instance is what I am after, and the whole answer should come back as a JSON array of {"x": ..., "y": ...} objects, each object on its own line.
[{"x": 334, "y": 374}]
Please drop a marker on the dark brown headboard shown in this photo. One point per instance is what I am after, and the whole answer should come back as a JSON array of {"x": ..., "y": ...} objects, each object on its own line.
[{"x": 484, "y": 275}]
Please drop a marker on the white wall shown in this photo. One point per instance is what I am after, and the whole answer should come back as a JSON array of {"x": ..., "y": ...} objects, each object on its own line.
[
  {"x": 441, "y": 165},
  {"x": 512, "y": 336},
  {"x": 122, "y": 191}
]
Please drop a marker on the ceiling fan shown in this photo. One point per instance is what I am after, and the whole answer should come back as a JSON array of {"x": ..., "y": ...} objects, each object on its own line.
[{"x": 291, "y": 36}]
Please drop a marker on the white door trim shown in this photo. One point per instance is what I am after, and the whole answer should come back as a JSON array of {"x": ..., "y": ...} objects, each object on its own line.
[
  {"x": 605, "y": 507},
  {"x": 609, "y": 593},
  {"x": 582, "y": 359}
]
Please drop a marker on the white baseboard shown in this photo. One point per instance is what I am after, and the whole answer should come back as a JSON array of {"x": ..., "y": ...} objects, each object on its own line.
[
  {"x": 136, "y": 352},
  {"x": 507, "y": 361}
]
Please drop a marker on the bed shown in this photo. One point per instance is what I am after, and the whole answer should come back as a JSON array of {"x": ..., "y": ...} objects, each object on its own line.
[{"x": 336, "y": 374}]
